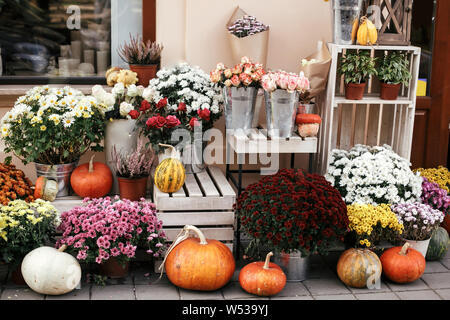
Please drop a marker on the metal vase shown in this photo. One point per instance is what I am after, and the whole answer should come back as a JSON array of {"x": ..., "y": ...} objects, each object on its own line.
[
  {"x": 281, "y": 109},
  {"x": 293, "y": 265},
  {"x": 240, "y": 106},
  {"x": 58, "y": 172},
  {"x": 307, "y": 108},
  {"x": 345, "y": 14},
  {"x": 192, "y": 156},
  {"x": 123, "y": 134}
]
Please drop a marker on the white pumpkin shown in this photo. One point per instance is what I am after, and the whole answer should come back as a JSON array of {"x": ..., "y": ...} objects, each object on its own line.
[{"x": 50, "y": 271}]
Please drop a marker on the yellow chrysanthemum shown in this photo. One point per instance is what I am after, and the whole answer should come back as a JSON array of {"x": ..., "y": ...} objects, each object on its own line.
[{"x": 440, "y": 175}]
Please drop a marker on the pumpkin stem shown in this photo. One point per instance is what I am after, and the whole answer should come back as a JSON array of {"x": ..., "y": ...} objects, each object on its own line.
[
  {"x": 198, "y": 232},
  {"x": 91, "y": 164},
  {"x": 266, "y": 264},
  {"x": 172, "y": 149},
  {"x": 404, "y": 249},
  {"x": 62, "y": 248}
]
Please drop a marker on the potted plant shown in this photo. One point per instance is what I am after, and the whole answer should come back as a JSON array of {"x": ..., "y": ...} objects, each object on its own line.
[
  {"x": 281, "y": 93},
  {"x": 108, "y": 231},
  {"x": 295, "y": 215},
  {"x": 373, "y": 175},
  {"x": 356, "y": 67},
  {"x": 54, "y": 127},
  {"x": 240, "y": 86},
  {"x": 191, "y": 104},
  {"x": 143, "y": 57},
  {"x": 392, "y": 72},
  {"x": 419, "y": 221},
  {"x": 437, "y": 198},
  {"x": 123, "y": 105},
  {"x": 132, "y": 171},
  {"x": 25, "y": 226}
]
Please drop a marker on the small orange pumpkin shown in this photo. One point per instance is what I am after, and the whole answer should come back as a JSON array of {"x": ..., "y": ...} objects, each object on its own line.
[
  {"x": 262, "y": 278},
  {"x": 93, "y": 179},
  {"x": 199, "y": 263},
  {"x": 403, "y": 264},
  {"x": 45, "y": 189},
  {"x": 308, "y": 124},
  {"x": 359, "y": 267},
  {"x": 303, "y": 118}
]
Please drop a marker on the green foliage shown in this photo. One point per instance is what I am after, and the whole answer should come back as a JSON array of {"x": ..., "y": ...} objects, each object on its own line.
[
  {"x": 394, "y": 68},
  {"x": 357, "y": 66}
]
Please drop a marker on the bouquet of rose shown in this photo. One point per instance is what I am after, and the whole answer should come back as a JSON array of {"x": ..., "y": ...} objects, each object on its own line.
[
  {"x": 419, "y": 220},
  {"x": 181, "y": 97},
  {"x": 373, "y": 175},
  {"x": 285, "y": 81},
  {"x": 105, "y": 228},
  {"x": 244, "y": 74},
  {"x": 53, "y": 125},
  {"x": 124, "y": 102}
]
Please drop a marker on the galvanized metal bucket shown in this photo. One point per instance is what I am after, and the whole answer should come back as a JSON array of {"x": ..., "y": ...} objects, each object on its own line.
[
  {"x": 281, "y": 109},
  {"x": 192, "y": 156},
  {"x": 293, "y": 265},
  {"x": 307, "y": 108},
  {"x": 58, "y": 172},
  {"x": 240, "y": 106},
  {"x": 346, "y": 12}
]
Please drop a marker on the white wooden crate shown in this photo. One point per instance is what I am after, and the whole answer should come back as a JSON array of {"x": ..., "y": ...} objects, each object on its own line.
[{"x": 371, "y": 121}]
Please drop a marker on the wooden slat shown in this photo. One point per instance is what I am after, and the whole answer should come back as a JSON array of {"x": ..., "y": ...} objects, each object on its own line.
[
  {"x": 192, "y": 186},
  {"x": 181, "y": 218},
  {"x": 207, "y": 185},
  {"x": 188, "y": 203},
  {"x": 380, "y": 118},
  {"x": 223, "y": 233},
  {"x": 179, "y": 194},
  {"x": 158, "y": 193},
  {"x": 353, "y": 126},
  {"x": 221, "y": 181}
]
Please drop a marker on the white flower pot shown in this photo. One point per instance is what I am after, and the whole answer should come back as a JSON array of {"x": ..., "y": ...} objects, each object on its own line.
[
  {"x": 421, "y": 246},
  {"x": 123, "y": 134}
]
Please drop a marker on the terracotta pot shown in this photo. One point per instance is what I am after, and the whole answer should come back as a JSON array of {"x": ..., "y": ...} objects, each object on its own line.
[
  {"x": 446, "y": 223},
  {"x": 17, "y": 277},
  {"x": 354, "y": 91},
  {"x": 389, "y": 91},
  {"x": 144, "y": 72},
  {"x": 113, "y": 269},
  {"x": 132, "y": 189}
]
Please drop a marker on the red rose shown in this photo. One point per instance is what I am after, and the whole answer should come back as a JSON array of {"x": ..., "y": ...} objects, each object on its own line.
[
  {"x": 161, "y": 103},
  {"x": 145, "y": 105},
  {"x": 193, "y": 122},
  {"x": 156, "y": 122},
  {"x": 204, "y": 114},
  {"x": 182, "y": 107},
  {"x": 134, "y": 114},
  {"x": 172, "y": 122}
]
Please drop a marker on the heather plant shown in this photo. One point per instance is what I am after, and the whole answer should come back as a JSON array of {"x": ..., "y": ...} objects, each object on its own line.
[
  {"x": 140, "y": 52},
  {"x": 247, "y": 26},
  {"x": 136, "y": 164}
]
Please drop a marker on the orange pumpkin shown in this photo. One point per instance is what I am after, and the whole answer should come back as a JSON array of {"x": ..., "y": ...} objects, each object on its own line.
[
  {"x": 199, "y": 263},
  {"x": 403, "y": 264},
  {"x": 308, "y": 124},
  {"x": 45, "y": 189},
  {"x": 359, "y": 267},
  {"x": 262, "y": 278},
  {"x": 303, "y": 118},
  {"x": 93, "y": 179}
]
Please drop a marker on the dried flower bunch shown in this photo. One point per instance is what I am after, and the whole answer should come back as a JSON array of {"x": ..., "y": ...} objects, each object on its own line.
[
  {"x": 14, "y": 185},
  {"x": 419, "y": 220},
  {"x": 140, "y": 52},
  {"x": 247, "y": 26},
  {"x": 135, "y": 164}
]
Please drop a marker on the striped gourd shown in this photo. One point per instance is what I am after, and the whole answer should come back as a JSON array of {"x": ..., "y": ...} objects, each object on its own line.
[
  {"x": 367, "y": 32},
  {"x": 359, "y": 267},
  {"x": 170, "y": 173}
]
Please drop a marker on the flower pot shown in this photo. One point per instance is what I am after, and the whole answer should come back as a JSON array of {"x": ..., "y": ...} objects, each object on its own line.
[
  {"x": 446, "y": 223},
  {"x": 421, "y": 246},
  {"x": 113, "y": 269},
  {"x": 306, "y": 108},
  {"x": 294, "y": 266},
  {"x": 281, "y": 109},
  {"x": 239, "y": 107},
  {"x": 346, "y": 12},
  {"x": 389, "y": 91},
  {"x": 59, "y": 173},
  {"x": 132, "y": 189},
  {"x": 144, "y": 72},
  {"x": 17, "y": 277},
  {"x": 123, "y": 134},
  {"x": 354, "y": 91}
]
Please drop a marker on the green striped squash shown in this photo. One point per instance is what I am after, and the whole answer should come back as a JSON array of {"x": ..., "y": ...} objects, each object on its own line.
[
  {"x": 170, "y": 173},
  {"x": 439, "y": 244}
]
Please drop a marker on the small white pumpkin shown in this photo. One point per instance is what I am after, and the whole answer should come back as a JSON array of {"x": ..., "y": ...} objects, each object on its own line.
[{"x": 50, "y": 271}]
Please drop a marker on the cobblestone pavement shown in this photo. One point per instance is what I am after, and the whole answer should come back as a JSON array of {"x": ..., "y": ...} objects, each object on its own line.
[{"x": 322, "y": 284}]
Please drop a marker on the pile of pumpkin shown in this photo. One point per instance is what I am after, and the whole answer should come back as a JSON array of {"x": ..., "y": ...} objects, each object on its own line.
[
  {"x": 14, "y": 185},
  {"x": 360, "y": 268}
]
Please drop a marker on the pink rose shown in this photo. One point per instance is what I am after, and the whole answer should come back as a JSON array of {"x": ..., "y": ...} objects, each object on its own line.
[
  {"x": 283, "y": 81},
  {"x": 292, "y": 83},
  {"x": 215, "y": 76},
  {"x": 228, "y": 73},
  {"x": 268, "y": 83},
  {"x": 172, "y": 121},
  {"x": 237, "y": 69},
  {"x": 303, "y": 83},
  {"x": 235, "y": 80},
  {"x": 228, "y": 83},
  {"x": 245, "y": 60},
  {"x": 245, "y": 79}
]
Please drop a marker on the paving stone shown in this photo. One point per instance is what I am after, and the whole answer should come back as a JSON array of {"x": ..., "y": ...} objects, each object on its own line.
[
  {"x": 199, "y": 295},
  {"x": 81, "y": 294},
  {"x": 335, "y": 297},
  {"x": 293, "y": 289},
  {"x": 325, "y": 286},
  {"x": 383, "y": 288},
  {"x": 157, "y": 292},
  {"x": 437, "y": 280},
  {"x": 320, "y": 271},
  {"x": 234, "y": 291},
  {"x": 377, "y": 296},
  {"x": 435, "y": 267},
  {"x": 444, "y": 293},
  {"x": 20, "y": 294},
  {"x": 447, "y": 255},
  {"x": 332, "y": 259},
  {"x": 446, "y": 263},
  {"x": 3, "y": 273},
  {"x": 153, "y": 279},
  {"x": 418, "y": 295},
  {"x": 413, "y": 286},
  {"x": 292, "y": 298},
  {"x": 113, "y": 292}
]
